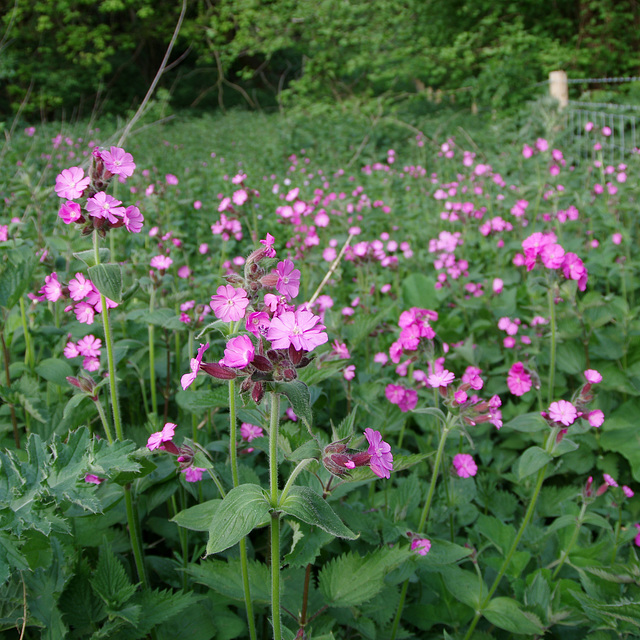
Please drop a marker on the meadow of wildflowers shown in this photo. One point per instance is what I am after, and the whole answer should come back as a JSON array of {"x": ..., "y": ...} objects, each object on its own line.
[{"x": 253, "y": 388}]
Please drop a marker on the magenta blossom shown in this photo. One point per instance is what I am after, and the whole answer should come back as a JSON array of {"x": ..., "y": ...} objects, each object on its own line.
[
  {"x": 161, "y": 263},
  {"x": 89, "y": 346},
  {"x": 118, "y": 162},
  {"x": 70, "y": 212},
  {"x": 269, "y": 251},
  {"x": 133, "y": 219},
  {"x": 465, "y": 465},
  {"x": 229, "y": 304},
  {"x": 563, "y": 412},
  {"x": 299, "y": 328},
  {"x": 238, "y": 353},
  {"x": 421, "y": 546},
  {"x": 157, "y": 439},
  {"x": 593, "y": 376},
  {"x": 518, "y": 379},
  {"x": 595, "y": 418},
  {"x": 52, "y": 289},
  {"x": 288, "y": 279},
  {"x": 90, "y": 478},
  {"x": 79, "y": 287},
  {"x": 381, "y": 462},
  {"x": 258, "y": 323},
  {"x": 193, "y": 474},
  {"x": 71, "y": 183},
  {"x": 102, "y": 205},
  {"x": 188, "y": 378},
  {"x": 250, "y": 432},
  {"x": 441, "y": 378}
]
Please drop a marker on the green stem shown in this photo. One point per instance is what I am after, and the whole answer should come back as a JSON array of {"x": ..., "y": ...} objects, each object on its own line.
[
  {"x": 105, "y": 422},
  {"x": 136, "y": 537},
  {"x": 152, "y": 357},
  {"x": 574, "y": 537},
  {"x": 275, "y": 515},
  {"x": 233, "y": 454},
  {"x": 29, "y": 359},
  {"x": 194, "y": 419},
  {"x": 552, "y": 350},
  {"x": 551, "y": 440}
]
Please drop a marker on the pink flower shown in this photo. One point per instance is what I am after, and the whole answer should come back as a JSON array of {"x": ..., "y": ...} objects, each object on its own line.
[
  {"x": 91, "y": 479},
  {"x": 156, "y": 439},
  {"x": 616, "y": 238},
  {"x": 84, "y": 312},
  {"x": 465, "y": 465},
  {"x": 269, "y": 252},
  {"x": 238, "y": 353},
  {"x": 381, "y": 462},
  {"x": 103, "y": 205},
  {"x": 193, "y": 474},
  {"x": 91, "y": 363},
  {"x": 229, "y": 304},
  {"x": 563, "y": 412},
  {"x": 187, "y": 379},
  {"x": 609, "y": 480},
  {"x": 79, "y": 287},
  {"x": 441, "y": 378},
  {"x": 350, "y": 372},
  {"x": 258, "y": 323},
  {"x": 71, "y": 350},
  {"x": 595, "y": 418},
  {"x": 161, "y": 263},
  {"x": 71, "y": 183},
  {"x": 299, "y": 328},
  {"x": 421, "y": 546},
  {"x": 574, "y": 269},
  {"x": 381, "y": 358},
  {"x": 518, "y": 379},
  {"x": 250, "y": 432},
  {"x": 171, "y": 179},
  {"x": 70, "y": 212},
  {"x": 89, "y": 346},
  {"x": 593, "y": 376},
  {"x": 627, "y": 491},
  {"x": 288, "y": 279},
  {"x": 133, "y": 219},
  {"x": 408, "y": 401},
  {"x": 52, "y": 289},
  {"x": 118, "y": 162}
]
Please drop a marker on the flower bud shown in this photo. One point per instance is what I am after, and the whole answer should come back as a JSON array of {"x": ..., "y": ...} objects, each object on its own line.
[{"x": 218, "y": 371}]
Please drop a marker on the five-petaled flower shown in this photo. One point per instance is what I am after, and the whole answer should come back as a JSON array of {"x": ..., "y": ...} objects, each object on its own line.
[{"x": 381, "y": 462}]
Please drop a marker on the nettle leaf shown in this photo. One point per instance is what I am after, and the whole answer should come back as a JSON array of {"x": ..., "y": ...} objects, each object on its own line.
[
  {"x": 304, "y": 503},
  {"x": 108, "y": 280},
  {"x": 110, "y": 580},
  {"x": 507, "y": 614},
  {"x": 350, "y": 579},
  {"x": 297, "y": 393},
  {"x": 532, "y": 460},
  {"x": 16, "y": 268},
  {"x": 198, "y": 517},
  {"x": 243, "y": 508},
  {"x": 225, "y": 577},
  {"x": 308, "y": 547},
  {"x": 89, "y": 256}
]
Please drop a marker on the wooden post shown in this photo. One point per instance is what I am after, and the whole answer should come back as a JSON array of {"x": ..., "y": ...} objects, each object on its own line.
[{"x": 559, "y": 88}]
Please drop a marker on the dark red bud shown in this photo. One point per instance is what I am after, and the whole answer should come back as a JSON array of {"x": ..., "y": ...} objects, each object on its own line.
[
  {"x": 257, "y": 393},
  {"x": 261, "y": 363},
  {"x": 295, "y": 355},
  {"x": 289, "y": 374},
  {"x": 218, "y": 371}
]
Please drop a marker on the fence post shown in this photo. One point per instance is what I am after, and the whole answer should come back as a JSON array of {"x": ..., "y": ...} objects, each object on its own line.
[{"x": 559, "y": 88}]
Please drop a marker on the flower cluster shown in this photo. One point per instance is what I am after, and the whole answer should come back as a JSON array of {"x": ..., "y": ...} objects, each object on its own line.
[
  {"x": 101, "y": 211},
  {"x": 163, "y": 441},
  {"x": 89, "y": 347}
]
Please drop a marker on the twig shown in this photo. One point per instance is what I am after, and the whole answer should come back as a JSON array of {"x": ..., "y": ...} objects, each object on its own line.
[{"x": 332, "y": 268}]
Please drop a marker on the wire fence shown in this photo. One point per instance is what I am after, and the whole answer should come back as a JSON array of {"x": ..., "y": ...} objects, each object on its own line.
[{"x": 609, "y": 129}]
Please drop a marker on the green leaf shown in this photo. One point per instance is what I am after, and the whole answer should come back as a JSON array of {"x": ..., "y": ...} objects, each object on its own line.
[
  {"x": 464, "y": 586},
  {"x": 419, "y": 291},
  {"x": 225, "y": 577},
  {"x": 528, "y": 423},
  {"x": 243, "y": 508},
  {"x": 108, "y": 280},
  {"x": 532, "y": 460},
  {"x": 444, "y": 552},
  {"x": 199, "y": 400},
  {"x": 198, "y": 517},
  {"x": 350, "y": 579},
  {"x": 506, "y": 614},
  {"x": 305, "y": 504},
  {"x": 110, "y": 580},
  {"x": 16, "y": 268},
  {"x": 297, "y": 393},
  {"x": 55, "y": 370},
  {"x": 89, "y": 256},
  {"x": 500, "y": 534}
]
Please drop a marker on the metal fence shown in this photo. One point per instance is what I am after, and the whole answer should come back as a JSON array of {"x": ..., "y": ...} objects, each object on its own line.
[{"x": 620, "y": 121}]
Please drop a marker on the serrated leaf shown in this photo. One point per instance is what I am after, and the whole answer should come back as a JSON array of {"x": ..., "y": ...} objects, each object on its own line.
[
  {"x": 532, "y": 460},
  {"x": 110, "y": 580},
  {"x": 16, "y": 268},
  {"x": 297, "y": 393},
  {"x": 89, "y": 256},
  {"x": 241, "y": 510},
  {"x": 198, "y": 517},
  {"x": 225, "y": 577},
  {"x": 506, "y": 613},
  {"x": 108, "y": 459},
  {"x": 304, "y": 503},
  {"x": 350, "y": 580},
  {"x": 107, "y": 279}
]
